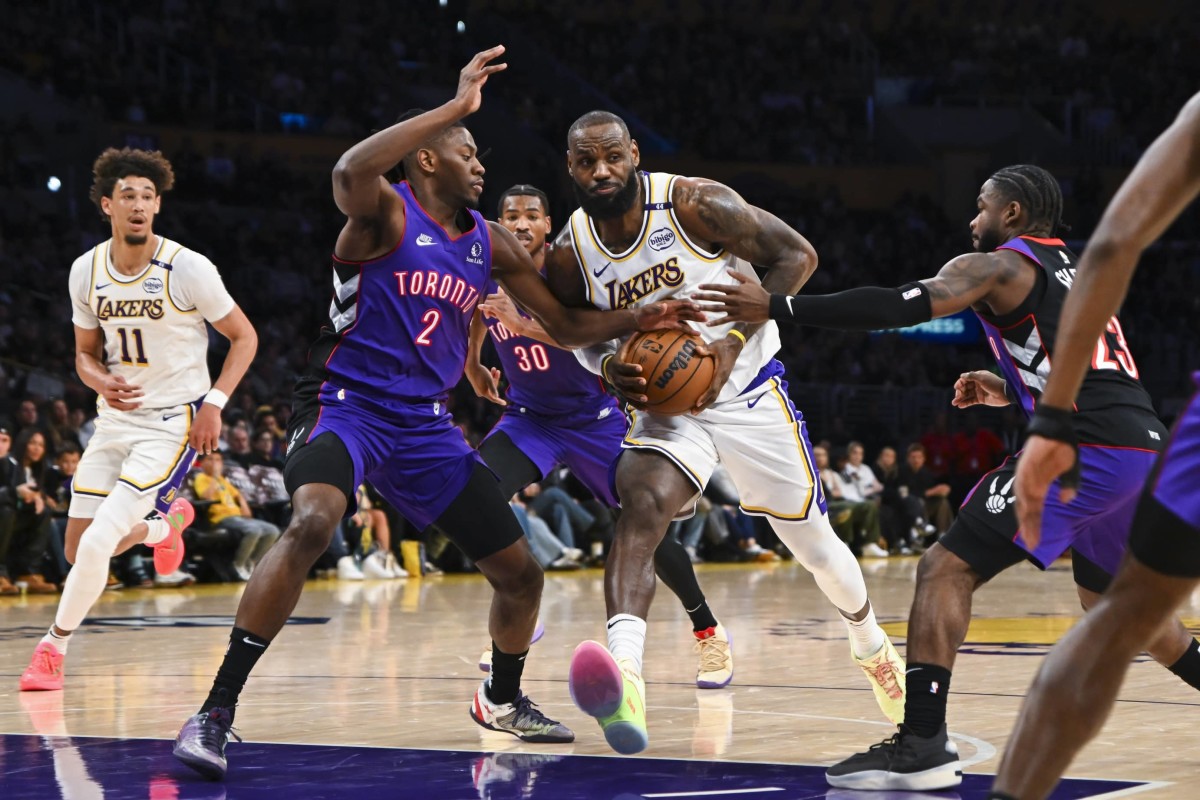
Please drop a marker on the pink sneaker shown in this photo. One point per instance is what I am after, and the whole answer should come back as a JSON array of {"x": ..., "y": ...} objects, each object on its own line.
[
  {"x": 168, "y": 554},
  {"x": 45, "y": 670}
]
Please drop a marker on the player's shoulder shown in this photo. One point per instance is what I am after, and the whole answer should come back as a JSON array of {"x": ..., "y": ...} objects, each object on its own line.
[
  {"x": 691, "y": 190},
  {"x": 180, "y": 257},
  {"x": 86, "y": 260}
]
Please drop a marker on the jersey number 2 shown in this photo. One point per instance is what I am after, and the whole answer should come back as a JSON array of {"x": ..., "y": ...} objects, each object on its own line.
[
  {"x": 1112, "y": 352},
  {"x": 136, "y": 335},
  {"x": 431, "y": 318}
]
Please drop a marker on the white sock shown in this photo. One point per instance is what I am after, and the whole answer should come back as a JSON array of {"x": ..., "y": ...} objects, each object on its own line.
[
  {"x": 627, "y": 638},
  {"x": 59, "y": 643},
  {"x": 159, "y": 530},
  {"x": 866, "y": 637}
]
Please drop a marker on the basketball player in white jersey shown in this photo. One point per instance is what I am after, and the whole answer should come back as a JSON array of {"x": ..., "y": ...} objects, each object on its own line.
[
  {"x": 640, "y": 237},
  {"x": 139, "y": 302}
]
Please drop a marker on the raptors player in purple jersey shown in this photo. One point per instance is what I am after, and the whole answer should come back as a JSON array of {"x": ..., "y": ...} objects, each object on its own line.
[
  {"x": 557, "y": 412},
  {"x": 1078, "y": 682},
  {"x": 1016, "y": 282},
  {"x": 408, "y": 269}
]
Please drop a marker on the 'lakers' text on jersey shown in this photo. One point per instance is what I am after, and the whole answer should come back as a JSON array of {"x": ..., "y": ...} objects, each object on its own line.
[
  {"x": 1113, "y": 407},
  {"x": 399, "y": 323},
  {"x": 661, "y": 263},
  {"x": 153, "y": 322},
  {"x": 545, "y": 379}
]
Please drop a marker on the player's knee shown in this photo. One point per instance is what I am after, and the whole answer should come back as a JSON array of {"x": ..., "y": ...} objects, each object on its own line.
[
  {"x": 312, "y": 530},
  {"x": 92, "y": 549},
  {"x": 518, "y": 576},
  {"x": 645, "y": 505},
  {"x": 939, "y": 564}
]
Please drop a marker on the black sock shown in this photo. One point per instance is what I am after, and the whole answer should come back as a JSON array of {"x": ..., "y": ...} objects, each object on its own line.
[
  {"x": 1188, "y": 665},
  {"x": 243, "y": 653},
  {"x": 702, "y": 617},
  {"x": 505, "y": 682},
  {"x": 925, "y": 698}
]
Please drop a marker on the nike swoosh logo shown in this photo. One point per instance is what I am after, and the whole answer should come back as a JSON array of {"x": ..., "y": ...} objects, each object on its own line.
[
  {"x": 246, "y": 639},
  {"x": 754, "y": 402},
  {"x": 598, "y": 272},
  {"x": 171, "y": 416},
  {"x": 911, "y": 670},
  {"x": 425, "y": 240},
  {"x": 102, "y": 286}
]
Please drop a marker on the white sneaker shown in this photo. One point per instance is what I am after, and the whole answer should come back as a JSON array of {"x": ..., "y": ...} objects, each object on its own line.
[
  {"x": 243, "y": 571},
  {"x": 389, "y": 561},
  {"x": 374, "y": 566},
  {"x": 872, "y": 550},
  {"x": 347, "y": 570},
  {"x": 176, "y": 578},
  {"x": 573, "y": 553}
]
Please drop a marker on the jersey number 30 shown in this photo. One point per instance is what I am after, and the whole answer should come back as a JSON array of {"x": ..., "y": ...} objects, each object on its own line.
[{"x": 1112, "y": 352}]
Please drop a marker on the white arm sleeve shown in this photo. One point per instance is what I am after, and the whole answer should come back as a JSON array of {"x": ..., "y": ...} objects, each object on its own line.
[
  {"x": 592, "y": 357},
  {"x": 197, "y": 284},
  {"x": 80, "y": 286}
]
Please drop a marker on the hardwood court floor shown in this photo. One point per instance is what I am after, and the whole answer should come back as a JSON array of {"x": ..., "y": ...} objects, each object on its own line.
[{"x": 394, "y": 665}]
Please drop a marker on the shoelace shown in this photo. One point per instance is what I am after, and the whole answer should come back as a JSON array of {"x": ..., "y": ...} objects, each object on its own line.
[
  {"x": 46, "y": 662},
  {"x": 527, "y": 711},
  {"x": 714, "y": 654},
  {"x": 890, "y": 745},
  {"x": 216, "y": 730},
  {"x": 885, "y": 676}
]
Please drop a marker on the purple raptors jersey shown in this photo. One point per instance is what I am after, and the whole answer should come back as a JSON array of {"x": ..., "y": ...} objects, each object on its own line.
[
  {"x": 399, "y": 323},
  {"x": 1112, "y": 408},
  {"x": 545, "y": 379}
]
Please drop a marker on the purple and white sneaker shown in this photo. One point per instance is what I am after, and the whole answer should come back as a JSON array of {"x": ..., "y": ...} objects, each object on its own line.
[{"x": 201, "y": 742}]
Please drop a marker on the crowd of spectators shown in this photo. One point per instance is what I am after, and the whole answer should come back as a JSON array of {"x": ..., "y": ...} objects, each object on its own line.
[{"x": 270, "y": 229}]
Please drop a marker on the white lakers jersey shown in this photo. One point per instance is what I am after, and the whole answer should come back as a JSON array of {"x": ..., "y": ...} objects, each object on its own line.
[
  {"x": 663, "y": 263},
  {"x": 153, "y": 322}
]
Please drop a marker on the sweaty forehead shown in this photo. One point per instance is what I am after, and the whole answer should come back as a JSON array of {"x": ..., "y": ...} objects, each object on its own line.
[{"x": 598, "y": 137}]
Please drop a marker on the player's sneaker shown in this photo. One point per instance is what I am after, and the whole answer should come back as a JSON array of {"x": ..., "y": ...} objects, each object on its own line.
[
  {"x": 885, "y": 669},
  {"x": 168, "y": 554},
  {"x": 715, "y": 648},
  {"x": 485, "y": 660},
  {"x": 201, "y": 742},
  {"x": 613, "y": 693},
  {"x": 45, "y": 670},
  {"x": 905, "y": 762},
  {"x": 521, "y": 718}
]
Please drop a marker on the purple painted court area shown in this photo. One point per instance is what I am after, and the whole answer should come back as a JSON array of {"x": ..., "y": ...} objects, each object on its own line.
[{"x": 43, "y": 767}]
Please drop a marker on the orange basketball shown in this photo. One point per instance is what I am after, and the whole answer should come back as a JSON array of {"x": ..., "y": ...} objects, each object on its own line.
[{"x": 675, "y": 375}]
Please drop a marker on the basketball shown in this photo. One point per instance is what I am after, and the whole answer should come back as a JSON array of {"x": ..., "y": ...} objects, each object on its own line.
[{"x": 675, "y": 375}]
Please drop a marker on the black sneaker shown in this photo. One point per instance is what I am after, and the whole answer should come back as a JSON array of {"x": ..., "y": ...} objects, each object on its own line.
[
  {"x": 201, "y": 742},
  {"x": 905, "y": 762}
]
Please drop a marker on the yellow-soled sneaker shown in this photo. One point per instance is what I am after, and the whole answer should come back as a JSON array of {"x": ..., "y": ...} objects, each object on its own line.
[
  {"x": 885, "y": 669},
  {"x": 613, "y": 693}
]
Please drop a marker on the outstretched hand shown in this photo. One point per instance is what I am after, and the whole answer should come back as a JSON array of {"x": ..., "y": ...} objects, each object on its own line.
[
  {"x": 474, "y": 75},
  {"x": 743, "y": 301},
  {"x": 672, "y": 314}
]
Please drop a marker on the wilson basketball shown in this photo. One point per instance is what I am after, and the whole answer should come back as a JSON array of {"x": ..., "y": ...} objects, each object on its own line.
[{"x": 675, "y": 375}]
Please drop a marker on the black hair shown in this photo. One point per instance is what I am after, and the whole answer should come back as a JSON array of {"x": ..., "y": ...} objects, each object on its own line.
[
  {"x": 523, "y": 190},
  {"x": 593, "y": 118},
  {"x": 399, "y": 172},
  {"x": 114, "y": 164},
  {"x": 1038, "y": 193}
]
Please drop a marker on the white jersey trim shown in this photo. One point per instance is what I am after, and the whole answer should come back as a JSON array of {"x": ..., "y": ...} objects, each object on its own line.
[{"x": 647, "y": 189}]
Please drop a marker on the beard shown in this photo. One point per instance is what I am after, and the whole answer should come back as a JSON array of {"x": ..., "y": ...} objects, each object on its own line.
[
  {"x": 989, "y": 240},
  {"x": 612, "y": 206},
  {"x": 136, "y": 240}
]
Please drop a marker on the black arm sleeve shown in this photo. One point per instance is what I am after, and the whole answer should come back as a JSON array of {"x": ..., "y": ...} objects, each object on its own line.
[{"x": 870, "y": 308}]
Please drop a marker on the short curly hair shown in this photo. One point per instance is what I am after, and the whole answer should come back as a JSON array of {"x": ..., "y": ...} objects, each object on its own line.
[{"x": 114, "y": 164}]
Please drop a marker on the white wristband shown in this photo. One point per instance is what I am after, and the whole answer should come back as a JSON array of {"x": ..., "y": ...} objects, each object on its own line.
[{"x": 216, "y": 397}]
